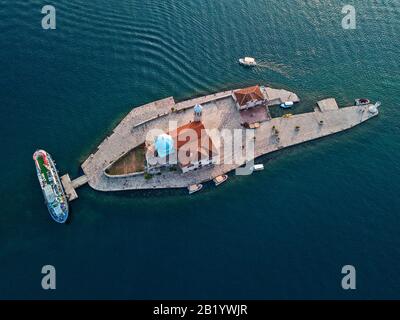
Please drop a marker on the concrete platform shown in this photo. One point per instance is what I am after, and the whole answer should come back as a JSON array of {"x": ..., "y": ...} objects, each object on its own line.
[
  {"x": 326, "y": 105},
  {"x": 254, "y": 115},
  {"x": 71, "y": 186},
  {"x": 68, "y": 188},
  {"x": 278, "y": 96}
]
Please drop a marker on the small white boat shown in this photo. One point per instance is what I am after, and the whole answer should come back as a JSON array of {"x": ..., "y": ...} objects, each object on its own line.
[
  {"x": 258, "y": 167},
  {"x": 194, "y": 188},
  {"x": 287, "y": 104},
  {"x": 220, "y": 179},
  {"x": 248, "y": 61},
  {"x": 362, "y": 102}
]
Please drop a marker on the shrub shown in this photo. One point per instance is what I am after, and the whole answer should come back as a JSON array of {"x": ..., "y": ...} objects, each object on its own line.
[{"x": 148, "y": 176}]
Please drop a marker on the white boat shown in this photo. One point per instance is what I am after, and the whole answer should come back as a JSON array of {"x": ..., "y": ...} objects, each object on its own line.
[
  {"x": 362, "y": 102},
  {"x": 194, "y": 188},
  {"x": 248, "y": 61},
  {"x": 220, "y": 179},
  {"x": 287, "y": 104},
  {"x": 258, "y": 167}
]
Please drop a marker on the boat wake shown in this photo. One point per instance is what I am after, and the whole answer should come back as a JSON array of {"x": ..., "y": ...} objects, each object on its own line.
[{"x": 273, "y": 66}]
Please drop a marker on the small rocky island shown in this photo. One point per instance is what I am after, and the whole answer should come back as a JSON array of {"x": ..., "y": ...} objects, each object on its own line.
[{"x": 143, "y": 152}]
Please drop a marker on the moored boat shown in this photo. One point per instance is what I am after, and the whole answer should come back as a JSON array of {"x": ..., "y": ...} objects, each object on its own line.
[
  {"x": 362, "y": 102},
  {"x": 287, "y": 105},
  {"x": 220, "y": 179},
  {"x": 195, "y": 188},
  {"x": 258, "y": 167},
  {"x": 54, "y": 195}
]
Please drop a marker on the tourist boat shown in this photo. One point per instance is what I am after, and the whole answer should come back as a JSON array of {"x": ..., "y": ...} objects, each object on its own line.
[
  {"x": 54, "y": 195},
  {"x": 194, "y": 188},
  {"x": 287, "y": 105},
  {"x": 248, "y": 61},
  {"x": 220, "y": 179},
  {"x": 258, "y": 167},
  {"x": 362, "y": 102}
]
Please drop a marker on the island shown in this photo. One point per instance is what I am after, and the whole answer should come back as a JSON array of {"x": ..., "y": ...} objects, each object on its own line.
[{"x": 144, "y": 152}]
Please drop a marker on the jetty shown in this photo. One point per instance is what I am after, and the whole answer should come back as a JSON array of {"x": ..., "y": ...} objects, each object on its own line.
[
  {"x": 114, "y": 166},
  {"x": 71, "y": 186}
]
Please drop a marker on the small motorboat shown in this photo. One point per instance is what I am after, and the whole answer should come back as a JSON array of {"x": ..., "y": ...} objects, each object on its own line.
[
  {"x": 362, "y": 102},
  {"x": 220, "y": 179},
  {"x": 194, "y": 188},
  {"x": 248, "y": 62},
  {"x": 287, "y": 105},
  {"x": 258, "y": 167}
]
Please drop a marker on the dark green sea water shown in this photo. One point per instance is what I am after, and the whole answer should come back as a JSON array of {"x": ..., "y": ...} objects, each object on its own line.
[{"x": 285, "y": 232}]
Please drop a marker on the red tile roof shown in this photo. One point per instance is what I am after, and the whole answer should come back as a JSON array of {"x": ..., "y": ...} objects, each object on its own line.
[
  {"x": 193, "y": 136},
  {"x": 243, "y": 96}
]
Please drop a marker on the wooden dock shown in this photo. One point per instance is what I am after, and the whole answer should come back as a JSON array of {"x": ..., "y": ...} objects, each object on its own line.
[{"x": 219, "y": 112}]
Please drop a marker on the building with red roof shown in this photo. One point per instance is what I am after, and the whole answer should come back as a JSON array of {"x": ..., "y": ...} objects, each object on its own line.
[
  {"x": 193, "y": 149},
  {"x": 249, "y": 97}
]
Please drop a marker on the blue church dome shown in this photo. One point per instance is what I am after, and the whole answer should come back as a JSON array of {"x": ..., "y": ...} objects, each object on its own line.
[
  {"x": 164, "y": 145},
  {"x": 198, "y": 108}
]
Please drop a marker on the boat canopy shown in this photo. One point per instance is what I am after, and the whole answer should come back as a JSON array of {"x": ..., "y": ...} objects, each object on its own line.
[{"x": 249, "y": 60}]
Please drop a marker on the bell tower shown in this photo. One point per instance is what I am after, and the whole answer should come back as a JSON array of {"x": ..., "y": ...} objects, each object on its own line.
[{"x": 198, "y": 112}]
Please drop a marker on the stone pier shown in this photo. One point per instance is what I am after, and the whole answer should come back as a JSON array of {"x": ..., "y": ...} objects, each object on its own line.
[{"x": 71, "y": 186}]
